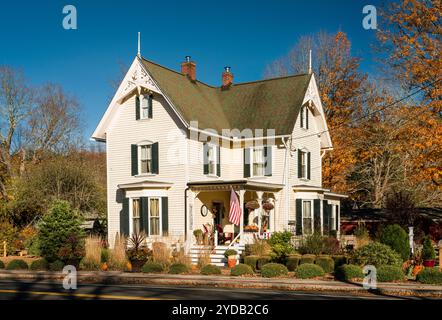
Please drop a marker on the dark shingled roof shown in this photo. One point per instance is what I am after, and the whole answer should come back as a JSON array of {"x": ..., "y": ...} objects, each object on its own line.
[{"x": 266, "y": 104}]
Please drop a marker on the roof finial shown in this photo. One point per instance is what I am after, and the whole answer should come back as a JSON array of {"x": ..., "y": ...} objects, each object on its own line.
[
  {"x": 310, "y": 62},
  {"x": 139, "y": 44}
]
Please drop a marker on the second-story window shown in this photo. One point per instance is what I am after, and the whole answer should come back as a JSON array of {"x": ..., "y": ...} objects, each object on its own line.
[
  {"x": 145, "y": 159},
  {"x": 258, "y": 161},
  {"x": 143, "y": 107},
  {"x": 304, "y": 164},
  {"x": 304, "y": 117},
  {"x": 211, "y": 157},
  {"x": 212, "y": 160}
]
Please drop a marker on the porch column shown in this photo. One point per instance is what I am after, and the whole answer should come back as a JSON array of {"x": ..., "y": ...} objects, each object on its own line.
[
  {"x": 276, "y": 211},
  {"x": 241, "y": 221},
  {"x": 259, "y": 195}
]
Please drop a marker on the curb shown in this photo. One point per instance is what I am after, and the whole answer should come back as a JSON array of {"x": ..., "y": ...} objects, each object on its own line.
[{"x": 115, "y": 277}]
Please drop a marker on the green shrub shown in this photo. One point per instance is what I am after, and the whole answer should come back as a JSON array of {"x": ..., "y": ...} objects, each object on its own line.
[
  {"x": 230, "y": 252},
  {"x": 312, "y": 244},
  {"x": 389, "y": 273},
  {"x": 57, "y": 265},
  {"x": 281, "y": 243},
  {"x": 263, "y": 260},
  {"x": 252, "y": 261},
  {"x": 326, "y": 263},
  {"x": 241, "y": 269},
  {"x": 210, "y": 269},
  {"x": 339, "y": 260},
  {"x": 272, "y": 270},
  {"x": 152, "y": 267},
  {"x": 428, "y": 252},
  {"x": 397, "y": 238},
  {"x": 308, "y": 270},
  {"x": 376, "y": 254},
  {"x": 104, "y": 255},
  {"x": 307, "y": 258},
  {"x": 331, "y": 245},
  {"x": 86, "y": 264},
  {"x": 17, "y": 264},
  {"x": 430, "y": 276},
  {"x": 40, "y": 264},
  {"x": 293, "y": 262},
  {"x": 61, "y": 236},
  {"x": 178, "y": 268},
  {"x": 2, "y": 265},
  {"x": 348, "y": 272}
]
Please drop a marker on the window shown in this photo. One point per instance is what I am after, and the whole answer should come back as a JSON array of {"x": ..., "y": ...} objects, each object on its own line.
[
  {"x": 145, "y": 159},
  {"x": 307, "y": 217},
  {"x": 211, "y": 158},
  {"x": 258, "y": 161},
  {"x": 136, "y": 227},
  {"x": 154, "y": 217},
  {"x": 304, "y": 117},
  {"x": 304, "y": 165},
  {"x": 146, "y": 106}
]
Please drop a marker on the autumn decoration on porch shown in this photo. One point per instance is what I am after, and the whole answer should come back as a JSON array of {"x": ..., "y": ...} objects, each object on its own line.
[
  {"x": 230, "y": 255},
  {"x": 138, "y": 253},
  {"x": 251, "y": 228},
  {"x": 267, "y": 206},
  {"x": 252, "y": 205},
  {"x": 428, "y": 253}
]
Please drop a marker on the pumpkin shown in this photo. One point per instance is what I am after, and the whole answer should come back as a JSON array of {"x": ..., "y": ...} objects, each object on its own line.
[
  {"x": 104, "y": 266},
  {"x": 129, "y": 266},
  {"x": 417, "y": 269}
]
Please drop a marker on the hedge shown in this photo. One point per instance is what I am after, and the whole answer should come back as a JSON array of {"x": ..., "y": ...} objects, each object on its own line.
[
  {"x": 348, "y": 272},
  {"x": 389, "y": 274},
  {"x": 430, "y": 276},
  {"x": 326, "y": 263},
  {"x": 263, "y": 260},
  {"x": 40, "y": 264},
  {"x": 178, "y": 268},
  {"x": 307, "y": 258},
  {"x": 152, "y": 267},
  {"x": 210, "y": 269},
  {"x": 251, "y": 261},
  {"x": 377, "y": 254},
  {"x": 293, "y": 262},
  {"x": 2, "y": 265},
  {"x": 272, "y": 270},
  {"x": 17, "y": 264},
  {"x": 308, "y": 270},
  {"x": 57, "y": 265},
  {"x": 241, "y": 269},
  {"x": 339, "y": 260}
]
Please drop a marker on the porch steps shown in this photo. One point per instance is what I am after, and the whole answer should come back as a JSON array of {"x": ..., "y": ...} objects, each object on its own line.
[{"x": 216, "y": 254}]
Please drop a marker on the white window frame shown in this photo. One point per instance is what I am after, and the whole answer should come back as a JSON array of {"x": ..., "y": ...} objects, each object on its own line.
[
  {"x": 252, "y": 161},
  {"x": 303, "y": 124},
  {"x": 160, "y": 210},
  {"x": 141, "y": 145},
  {"x": 211, "y": 146},
  {"x": 333, "y": 217},
  {"x": 142, "y": 108},
  {"x": 131, "y": 214},
  {"x": 312, "y": 217},
  {"x": 304, "y": 168}
]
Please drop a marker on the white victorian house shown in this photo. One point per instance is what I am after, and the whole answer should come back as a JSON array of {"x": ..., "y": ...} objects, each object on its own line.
[{"x": 176, "y": 147}]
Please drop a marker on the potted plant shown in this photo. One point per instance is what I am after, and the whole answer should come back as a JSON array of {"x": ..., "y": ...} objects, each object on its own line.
[
  {"x": 137, "y": 251},
  {"x": 428, "y": 253},
  {"x": 198, "y": 234},
  {"x": 230, "y": 255},
  {"x": 251, "y": 228},
  {"x": 252, "y": 205}
]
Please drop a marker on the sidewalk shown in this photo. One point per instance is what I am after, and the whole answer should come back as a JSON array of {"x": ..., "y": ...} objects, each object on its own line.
[{"x": 292, "y": 284}]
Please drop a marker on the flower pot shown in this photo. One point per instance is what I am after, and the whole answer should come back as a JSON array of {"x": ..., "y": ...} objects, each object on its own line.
[
  {"x": 429, "y": 263},
  {"x": 231, "y": 262}
]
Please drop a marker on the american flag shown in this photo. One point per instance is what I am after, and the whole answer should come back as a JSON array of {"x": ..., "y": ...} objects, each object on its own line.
[{"x": 235, "y": 210}]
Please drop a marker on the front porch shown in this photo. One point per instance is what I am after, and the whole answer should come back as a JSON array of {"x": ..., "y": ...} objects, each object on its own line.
[{"x": 208, "y": 211}]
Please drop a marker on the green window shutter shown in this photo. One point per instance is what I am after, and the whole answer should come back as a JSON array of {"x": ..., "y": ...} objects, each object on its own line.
[
  {"x": 306, "y": 118},
  {"x": 299, "y": 217},
  {"x": 308, "y": 166},
  {"x": 268, "y": 160},
  {"x": 326, "y": 216},
  {"x": 155, "y": 156},
  {"x": 150, "y": 107},
  {"x": 317, "y": 215},
  {"x": 246, "y": 162},
  {"x": 299, "y": 163},
  {"x": 206, "y": 158},
  {"x": 134, "y": 159},
  {"x": 137, "y": 108},
  {"x": 337, "y": 217},
  {"x": 165, "y": 215},
  {"x": 218, "y": 161},
  {"x": 144, "y": 214},
  {"x": 124, "y": 218},
  {"x": 302, "y": 117}
]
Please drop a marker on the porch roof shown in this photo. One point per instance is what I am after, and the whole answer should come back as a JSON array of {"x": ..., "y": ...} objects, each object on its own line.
[
  {"x": 146, "y": 184},
  {"x": 226, "y": 185},
  {"x": 328, "y": 194}
]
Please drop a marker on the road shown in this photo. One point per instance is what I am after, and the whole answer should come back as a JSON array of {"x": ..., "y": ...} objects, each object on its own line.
[{"x": 43, "y": 290}]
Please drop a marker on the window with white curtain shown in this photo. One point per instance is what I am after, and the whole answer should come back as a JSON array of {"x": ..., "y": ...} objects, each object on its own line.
[
  {"x": 154, "y": 217},
  {"x": 136, "y": 227},
  {"x": 258, "y": 161},
  {"x": 211, "y": 157},
  {"x": 307, "y": 217},
  {"x": 145, "y": 159}
]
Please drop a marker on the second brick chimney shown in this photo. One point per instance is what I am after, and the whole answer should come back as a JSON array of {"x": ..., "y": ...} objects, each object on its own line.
[
  {"x": 227, "y": 77},
  {"x": 189, "y": 68}
]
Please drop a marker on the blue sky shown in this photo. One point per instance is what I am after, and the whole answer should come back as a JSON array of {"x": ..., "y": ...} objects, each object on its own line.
[{"x": 246, "y": 35}]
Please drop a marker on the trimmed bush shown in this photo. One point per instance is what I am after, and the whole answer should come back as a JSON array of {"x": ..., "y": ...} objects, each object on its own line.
[
  {"x": 241, "y": 270},
  {"x": 272, "y": 270},
  {"x": 428, "y": 252},
  {"x": 430, "y": 276},
  {"x": 397, "y": 239},
  {"x": 152, "y": 267},
  {"x": 40, "y": 264},
  {"x": 348, "y": 272},
  {"x": 2, "y": 265},
  {"x": 308, "y": 270},
  {"x": 376, "y": 254},
  {"x": 17, "y": 264},
  {"x": 57, "y": 265},
  {"x": 326, "y": 263},
  {"x": 230, "y": 252},
  {"x": 307, "y": 258},
  {"x": 281, "y": 245},
  {"x": 293, "y": 262},
  {"x": 339, "y": 260},
  {"x": 263, "y": 260},
  {"x": 178, "y": 268},
  {"x": 210, "y": 269},
  {"x": 251, "y": 261},
  {"x": 389, "y": 273}
]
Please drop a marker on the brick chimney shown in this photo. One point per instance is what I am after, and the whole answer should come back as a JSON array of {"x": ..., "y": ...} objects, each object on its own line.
[
  {"x": 227, "y": 77},
  {"x": 189, "y": 68}
]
